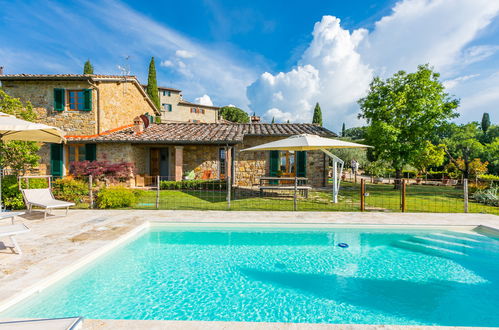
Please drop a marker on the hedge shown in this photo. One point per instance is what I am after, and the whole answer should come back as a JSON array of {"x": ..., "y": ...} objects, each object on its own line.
[{"x": 193, "y": 185}]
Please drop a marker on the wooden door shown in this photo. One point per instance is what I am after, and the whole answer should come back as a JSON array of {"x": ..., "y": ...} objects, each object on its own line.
[{"x": 155, "y": 161}]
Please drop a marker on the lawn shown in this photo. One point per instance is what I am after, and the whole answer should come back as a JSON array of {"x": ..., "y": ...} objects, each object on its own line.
[{"x": 381, "y": 197}]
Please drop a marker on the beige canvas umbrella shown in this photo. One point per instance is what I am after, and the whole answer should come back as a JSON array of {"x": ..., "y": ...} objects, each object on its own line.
[
  {"x": 304, "y": 142},
  {"x": 15, "y": 129}
]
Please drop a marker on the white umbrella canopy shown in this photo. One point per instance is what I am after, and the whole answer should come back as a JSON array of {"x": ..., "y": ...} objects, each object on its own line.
[
  {"x": 304, "y": 142},
  {"x": 15, "y": 129}
]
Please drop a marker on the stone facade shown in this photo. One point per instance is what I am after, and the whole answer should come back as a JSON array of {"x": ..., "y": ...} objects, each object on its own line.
[
  {"x": 114, "y": 104},
  {"x": 201, "y": 159},
  {"x": 181, "y": 110}
]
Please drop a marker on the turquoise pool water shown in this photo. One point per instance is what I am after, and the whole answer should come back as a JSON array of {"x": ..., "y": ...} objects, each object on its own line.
[{"x": 425, "y": 277}]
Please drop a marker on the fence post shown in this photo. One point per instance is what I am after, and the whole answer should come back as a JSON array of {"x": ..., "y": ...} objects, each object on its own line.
[
  {"x": 465, "y": 192},
  {"x": 90, "y": 191},
  {"x": 295, "y": 190},
  {"x": 403, "y": 195},
  {"x": 362, "y": 195},
  {"x": 229, "y": 188},
  {"x": 157, "y": 192}
]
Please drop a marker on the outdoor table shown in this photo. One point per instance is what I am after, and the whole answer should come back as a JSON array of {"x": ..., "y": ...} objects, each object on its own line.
[{"x": 299, "y": 180}]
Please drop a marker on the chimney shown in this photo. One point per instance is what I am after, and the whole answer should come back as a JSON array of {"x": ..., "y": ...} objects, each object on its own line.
[
  {"x": 1, "y": 70},
  {"x": 255, "y": 119},
  {"x": 138, "y": 125}
]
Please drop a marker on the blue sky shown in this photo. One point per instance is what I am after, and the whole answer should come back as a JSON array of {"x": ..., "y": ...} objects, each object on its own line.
[{"x": 275, "y": 58}]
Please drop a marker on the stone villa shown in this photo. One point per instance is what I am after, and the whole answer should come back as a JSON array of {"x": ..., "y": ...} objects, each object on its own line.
[{"x": 111, "y": 118}]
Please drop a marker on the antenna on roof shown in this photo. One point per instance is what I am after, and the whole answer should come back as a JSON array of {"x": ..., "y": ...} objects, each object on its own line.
[{"x": 125, "y": 71}]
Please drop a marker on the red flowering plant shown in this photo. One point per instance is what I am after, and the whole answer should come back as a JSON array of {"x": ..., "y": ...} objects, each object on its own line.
[{"x": 102, "y": 170}]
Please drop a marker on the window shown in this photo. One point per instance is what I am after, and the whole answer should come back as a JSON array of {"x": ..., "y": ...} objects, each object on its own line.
[
  {"x": 287, "y": 162},
  {"x": 202, "y": 111},
  {"x": 167, "y": 107},
  {"x": 76, "y": 152},
  {"x": 222, "y": 161},
  {"x": 76, "y": 100},
  {"x": 167, "y": 93}
]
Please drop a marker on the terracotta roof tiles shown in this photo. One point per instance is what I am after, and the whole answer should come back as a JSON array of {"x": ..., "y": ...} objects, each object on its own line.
[{"x": 191, "y": 133}]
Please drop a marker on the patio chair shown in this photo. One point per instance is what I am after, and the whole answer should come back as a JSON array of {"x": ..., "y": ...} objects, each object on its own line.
[
  {"x": 11, "y": 231},
  {"x": 45, "y": 199},
  {"x": 9, "y": 215}
]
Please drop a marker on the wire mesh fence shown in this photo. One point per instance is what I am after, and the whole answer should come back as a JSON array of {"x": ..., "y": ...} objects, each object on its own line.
[{"x": 287, "y": 194}]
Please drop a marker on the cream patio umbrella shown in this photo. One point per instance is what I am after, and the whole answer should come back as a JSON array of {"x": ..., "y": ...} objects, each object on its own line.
[
  {"x": 304, "y": 142},
  {"x": 15, "y": 129}
]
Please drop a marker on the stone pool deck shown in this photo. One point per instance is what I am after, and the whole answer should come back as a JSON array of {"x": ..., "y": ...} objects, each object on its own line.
[{"x": 59, "y": 242}]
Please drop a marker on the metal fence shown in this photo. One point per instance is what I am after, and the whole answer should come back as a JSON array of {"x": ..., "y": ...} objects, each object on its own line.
[{"x": 356, "y": 194}]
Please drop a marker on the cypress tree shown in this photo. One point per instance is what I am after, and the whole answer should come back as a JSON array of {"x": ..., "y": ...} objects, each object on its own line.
[
  {"x": 273, "y": 120},
  {"x": 317, "y": 119},
  {"x": 88, "y": 68},
  {"x": 343, "y": 130},
  {"x": 288, "y": 121},
  {"x": 485, "y": 122},
  {"x": 152, "y": 84}
]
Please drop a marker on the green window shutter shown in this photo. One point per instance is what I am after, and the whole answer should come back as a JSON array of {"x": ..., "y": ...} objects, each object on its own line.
[
  {"x": 91, "y": 152},
  {"x": 87, "y": 100},
  {"x": 169, "y": 107},
  {"x": 59, "y": 99},
  {"x": 56, "y": 159},
  {"x": 274, "y": 162},
  {"x": 301, "y": 163}
]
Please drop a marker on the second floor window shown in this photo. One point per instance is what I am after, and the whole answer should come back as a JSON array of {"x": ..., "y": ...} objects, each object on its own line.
[{"x": 76, "y": 100}]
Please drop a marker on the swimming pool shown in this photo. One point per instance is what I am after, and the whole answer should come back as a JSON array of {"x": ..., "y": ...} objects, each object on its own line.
[{"x": 384, "y": 276}]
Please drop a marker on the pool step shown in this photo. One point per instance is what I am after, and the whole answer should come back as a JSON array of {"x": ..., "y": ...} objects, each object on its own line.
[
  {"x": 443, "y": 242},
  {"x": 428, "y": 249}
]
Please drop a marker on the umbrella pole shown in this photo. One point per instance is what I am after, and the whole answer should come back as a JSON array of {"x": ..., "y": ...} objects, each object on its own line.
[{"x": 336, "y": 179}]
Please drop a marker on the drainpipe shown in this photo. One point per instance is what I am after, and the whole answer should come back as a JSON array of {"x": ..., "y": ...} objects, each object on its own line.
[{"x": 98, "y": 104}]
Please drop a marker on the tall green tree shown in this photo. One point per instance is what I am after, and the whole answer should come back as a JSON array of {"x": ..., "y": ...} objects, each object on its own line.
[
  {"x": 152, "y": 84},
  {"x": 403, "y": 112},
  {"x": 18, "y": 155},
  {"x": 463, "y": 146},
  {"x": 88, "y": 68},
  {"x": 485, "y": 122},
  {"x": 234, "y": 114},
  {"x": 317, "y": 118},
  {"x": 273, "y": 120},
  {"x": 343, "y": 130}
]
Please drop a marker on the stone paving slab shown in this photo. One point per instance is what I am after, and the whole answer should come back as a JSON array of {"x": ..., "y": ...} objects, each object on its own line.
[{"x": 59, "y": 241}]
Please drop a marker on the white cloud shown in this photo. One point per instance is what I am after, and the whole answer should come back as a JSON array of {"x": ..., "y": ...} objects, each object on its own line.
[
  {"x": 279, "y": 116},
  {"x": 167, "y": 64},
  {"x": 204, "y": 100},
  {"x": 182, "y": 53},
  {"x": 336, "y": 68}
]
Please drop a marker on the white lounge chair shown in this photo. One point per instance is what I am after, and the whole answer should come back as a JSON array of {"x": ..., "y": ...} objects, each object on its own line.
[
  {"x": 11, "y": 231},
  {"x": 9, "y": 215},
  {"x": 45, "y": 199}
]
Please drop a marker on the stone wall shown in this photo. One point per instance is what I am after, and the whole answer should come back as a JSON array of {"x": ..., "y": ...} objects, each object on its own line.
[
  {"x": 201, "y": 158},
  {"x": 120, "y": 102},
  {"x": 41, "y": 96}
]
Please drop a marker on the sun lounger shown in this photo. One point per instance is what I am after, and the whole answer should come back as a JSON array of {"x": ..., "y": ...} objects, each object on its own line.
[
  {"x": 45, "y": 199},
  {"x": 9, "y": 215},
  {"x": 11, "y": 231}
]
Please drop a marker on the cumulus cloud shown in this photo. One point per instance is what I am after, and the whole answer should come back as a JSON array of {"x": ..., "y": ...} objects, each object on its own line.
[
  {"x": 167, "y": 63},
  {"x": 182, "y": 53},
  {"x": 204, "y": 100},
  {"x": 337, "y": 66}
]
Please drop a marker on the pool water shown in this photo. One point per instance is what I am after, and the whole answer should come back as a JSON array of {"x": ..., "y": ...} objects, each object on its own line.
[{"x": 420, "y": 277}]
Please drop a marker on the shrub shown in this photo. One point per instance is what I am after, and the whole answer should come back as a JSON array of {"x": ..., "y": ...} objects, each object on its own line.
[
  {"x": 489, "y": 177},
  {"x": 193, "y": 185},
  {"x": 12, "y": 196},
  {"x": 70, "y": 190},
  {"x": 102, "y": 169},
  {"x": 115, "y": 197},
  {"x": 488, "y": 196}
]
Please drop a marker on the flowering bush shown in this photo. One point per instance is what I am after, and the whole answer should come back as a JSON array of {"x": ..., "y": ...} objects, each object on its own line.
[{"x": 102, "y": 169}]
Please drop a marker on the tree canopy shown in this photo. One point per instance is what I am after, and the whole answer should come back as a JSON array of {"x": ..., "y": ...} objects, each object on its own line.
[
  {"x": 18, "y": 155},
  {"x": 317, "y": 119},
  {"x": 403, "y": 112},
  {"x": 234, "y": 114},
  {"x": 88, "y": 68},
  {"x": 152, "y": 84}
]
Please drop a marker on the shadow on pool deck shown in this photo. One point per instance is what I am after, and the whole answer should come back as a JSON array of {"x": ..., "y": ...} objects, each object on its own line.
[{"x": 417, "y": 301}]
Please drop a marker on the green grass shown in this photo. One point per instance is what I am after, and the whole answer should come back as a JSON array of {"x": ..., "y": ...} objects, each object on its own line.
[{"x": 382, "y": 197}]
